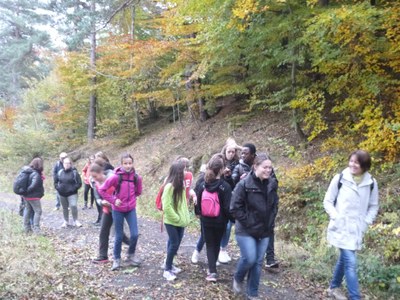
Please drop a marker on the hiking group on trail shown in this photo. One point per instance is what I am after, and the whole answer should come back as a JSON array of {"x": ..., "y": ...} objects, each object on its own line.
[{"x": 237, "y": 187}]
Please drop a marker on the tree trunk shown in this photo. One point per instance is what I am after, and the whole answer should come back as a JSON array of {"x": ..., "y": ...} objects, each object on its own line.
[
  {"x": 93, "y": 97},
  {"x": 297, "y": 125},
  {"x": 135, "y": 103},
  {"x": 151, "y": 107}
]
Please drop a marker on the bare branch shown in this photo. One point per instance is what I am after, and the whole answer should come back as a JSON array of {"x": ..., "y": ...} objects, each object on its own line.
[{"x": 124, "y": 5}]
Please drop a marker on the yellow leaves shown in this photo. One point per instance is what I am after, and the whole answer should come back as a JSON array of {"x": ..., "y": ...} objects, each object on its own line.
[{"x": 242, "y": 12}]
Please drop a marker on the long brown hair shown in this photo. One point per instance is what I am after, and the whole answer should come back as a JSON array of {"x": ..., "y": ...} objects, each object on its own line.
[
  {"x": 101, "y": 155},
  {"x": 214, "y": 167},
  {"x": 176, "y": 177},
  {"x": 37, "y": 164}
]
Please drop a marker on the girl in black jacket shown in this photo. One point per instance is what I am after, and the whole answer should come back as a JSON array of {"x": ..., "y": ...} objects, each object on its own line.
[
  {"x": 214, "y": 226},
  {"x": 253, "y": 205},
  {"x": 67, "y": 184},
  {"x": 35, "y": 192}
]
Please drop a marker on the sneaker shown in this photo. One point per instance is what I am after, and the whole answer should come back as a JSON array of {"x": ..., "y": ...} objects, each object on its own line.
[
  {"x": 97, "y": 223},
  {"x": 64, "y": 224},
  {"x": 195, "y": 257},
  {"x": 218, "y": 263},
  {"x": 116, "y": 265},
  {"x": 237, "y": 287},
  {"x": 253, "y": 298},
  {"x": 85, "y": 207},
  {"x": 132, "y": 261},
  {"x": 224, "y": 257},
  {"x": 77, "y": 224},
  {"x": 56, "y": 208},
  {"x": 176, "y": 270},
  {"x": 211, "y": 277},
  {"x": 335, "y": 293},
  {"x": 272, "y": 264},
  {"x": 169, "y": 275},
  {"x": 100, "y": 260}
]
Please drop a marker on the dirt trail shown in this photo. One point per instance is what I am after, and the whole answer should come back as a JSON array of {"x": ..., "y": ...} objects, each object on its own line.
[{"x": 78, "y": 246}]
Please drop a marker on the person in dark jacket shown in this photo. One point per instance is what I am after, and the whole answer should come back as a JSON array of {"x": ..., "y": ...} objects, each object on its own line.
[
  {"x": 231, "y": 153},
  {"x": 253, "y": 207},
  {"x": 214, "y": 227},
  {"x": 68, "y": 182},
  {"x": 245, "y": 163},
  {"x": 108, "y": 165},
  {"x": 35, "y": 192},
  {"x": 57, "y": 167}
]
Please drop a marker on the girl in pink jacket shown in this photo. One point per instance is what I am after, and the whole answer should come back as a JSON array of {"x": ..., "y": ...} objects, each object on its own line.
[{"x": 128, "y": 186}]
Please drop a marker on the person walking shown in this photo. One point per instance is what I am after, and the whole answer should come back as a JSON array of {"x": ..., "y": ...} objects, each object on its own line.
[
  {"x": 352, "y": 203},
  {"x": 57, "y": 167},
  {"x": 214, "y": 202},
  {"x": 33, "y": 196},
  {"x": 86, "y": 180},
  {"x": 252, "y": 206},
  {"x": 128, "y": 186},
  {"x": 67, "y": 183},
  {"x": 176, "y": 215}
]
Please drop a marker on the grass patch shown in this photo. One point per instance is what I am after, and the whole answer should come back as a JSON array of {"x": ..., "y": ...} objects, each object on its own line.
[{"x": 31, "y": 268}]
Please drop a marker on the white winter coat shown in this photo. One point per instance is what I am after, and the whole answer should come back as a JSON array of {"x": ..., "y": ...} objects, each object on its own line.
[{"x": 356, "y": 208}]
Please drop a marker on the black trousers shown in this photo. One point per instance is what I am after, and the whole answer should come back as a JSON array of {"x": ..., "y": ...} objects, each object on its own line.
[
  {"x": 86, "y": 191},
  {"x": 104, "y": 238},
  {"x": 213, "y": 237},
  {"x": 270, "y": 256},
  {"x": 99, "y": 211}
]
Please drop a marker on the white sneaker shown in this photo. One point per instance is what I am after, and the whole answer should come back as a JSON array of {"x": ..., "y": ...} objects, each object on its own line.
[
  {"x": 169, "y": 275},
  {"x": 195, "y": 257},
  {"x": 224, "y": 257},
  {"x": 176, "y": 270},
  {"x": 77, "y": 224},
  {"x": 335, "y": 293},
  {"x": 64, "y": 224}
]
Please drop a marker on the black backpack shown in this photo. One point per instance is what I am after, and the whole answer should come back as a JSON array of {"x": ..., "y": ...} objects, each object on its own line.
[
  {"x": 21, "y": 183},
  {"x": 120, "y": 179}
]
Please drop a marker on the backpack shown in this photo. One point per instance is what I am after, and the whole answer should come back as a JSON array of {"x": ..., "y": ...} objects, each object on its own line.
[
  {"x": 340, "y": 185},
  {"x": 21, "y": 183},
  {"x": 121, "y": 179},
  {"x": 159, "y": 197},
  {"x": 210, "y": 205}
]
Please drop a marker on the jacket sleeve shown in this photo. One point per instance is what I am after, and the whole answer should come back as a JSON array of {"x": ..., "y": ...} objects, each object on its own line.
[
  {"x": 110, "y": 182},
  {"x": 139, "y": 186},
  {"x": 330, "y": 197},
  {"x": 78, "y": 181},
  {"x": 238, "y": 204},
  {"x": 96, "y": 192},
  {"x": 236, "y": 174},
  {"x": 168, "y": 204},
  {"x": 84, "y": 170},
  {"x": 227, "y": 195},
  {"x": 198, "y": 189},
  {"x": 56, "y": 180},
  {"x": 55, "y": 171},
  {"x": 34, "y": 183},
  {"x": 373, "y": 205}
]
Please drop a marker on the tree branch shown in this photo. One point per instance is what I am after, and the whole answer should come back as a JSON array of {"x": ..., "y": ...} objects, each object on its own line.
[{"x": 115, "y": 12}]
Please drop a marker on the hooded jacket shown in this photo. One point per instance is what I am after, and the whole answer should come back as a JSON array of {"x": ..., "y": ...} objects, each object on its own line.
[
  {"x": 35, "y": 188},
  {"x": 231, "y": 165},
  {"x": 68, "y": 182},
  {"x": 224, "y": 195},
  {"x": 176, "y": 216},
  {"x": 129, "y": 190},
  {"x": 356, "y": 208},
  {"x": 96, "y": 193},
  {"x": 239, "y": 170},
  {"x": 254, "y": 205}
]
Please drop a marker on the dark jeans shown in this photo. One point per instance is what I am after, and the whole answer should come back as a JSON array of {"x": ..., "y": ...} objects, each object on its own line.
[
  {"x": 104, "y": 238},
  {"x": 270, "y": 256},
  {"x": 99, "y": 212},
  {"x": 119, "y": 218},
  {"x": 88, "y": 189},
  {"x": 213, "y": 236},
  {"x": 175, "y": 235}
]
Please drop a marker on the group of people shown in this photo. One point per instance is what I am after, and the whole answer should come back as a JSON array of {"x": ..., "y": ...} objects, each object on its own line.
[{"x": 235, "y": 187}]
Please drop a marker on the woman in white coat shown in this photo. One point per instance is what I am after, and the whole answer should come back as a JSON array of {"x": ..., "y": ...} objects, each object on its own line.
[{"x": 352, "y": 205}]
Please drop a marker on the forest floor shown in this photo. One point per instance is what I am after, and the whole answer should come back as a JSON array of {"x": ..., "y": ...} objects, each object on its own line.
[{"x": 76, "y": 247}]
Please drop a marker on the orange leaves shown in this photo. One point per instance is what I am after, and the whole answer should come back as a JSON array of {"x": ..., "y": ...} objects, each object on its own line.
[{"x": 7, "y": 116}]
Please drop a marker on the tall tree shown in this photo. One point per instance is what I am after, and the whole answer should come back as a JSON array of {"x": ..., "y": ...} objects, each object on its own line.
[{"x": 22, "y": 46}]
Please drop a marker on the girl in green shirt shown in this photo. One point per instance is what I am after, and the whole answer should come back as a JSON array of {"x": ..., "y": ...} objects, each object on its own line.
[{"x": 176, "y": 215}]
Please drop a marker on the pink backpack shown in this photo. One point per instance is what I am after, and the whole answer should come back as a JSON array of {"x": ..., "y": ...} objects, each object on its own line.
[{"x": 210, "y": 206}]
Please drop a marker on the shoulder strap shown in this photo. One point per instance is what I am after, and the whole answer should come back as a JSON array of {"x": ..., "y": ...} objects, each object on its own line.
[
  {"x": 75, "y": 175},
  {"x": 372, "y": 185},
  {"x": 339, "y": 185}
]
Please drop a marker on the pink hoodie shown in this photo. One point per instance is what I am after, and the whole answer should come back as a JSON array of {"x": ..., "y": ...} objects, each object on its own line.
[{"x": 127, "y": 193}]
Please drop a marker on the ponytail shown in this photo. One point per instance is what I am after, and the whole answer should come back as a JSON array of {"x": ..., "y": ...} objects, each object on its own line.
[{"x": 214, "y": 167}]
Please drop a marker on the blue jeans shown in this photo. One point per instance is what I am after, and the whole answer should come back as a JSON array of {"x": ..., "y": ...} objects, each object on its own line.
[
  {"x": 252, "y": 252},
  {"x": 175, "y": 235},
  {"x": 201, "y": 241},
  {"x": 227, "y": 235},
  {"x": 131, "y": 219},
  {"x": 346, "y": 266}
]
